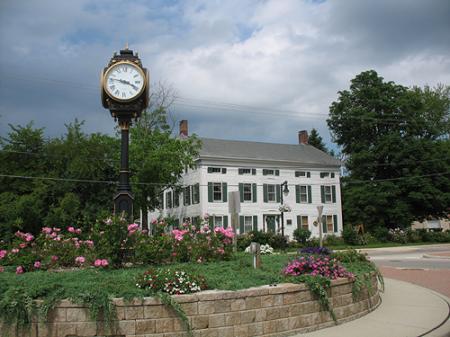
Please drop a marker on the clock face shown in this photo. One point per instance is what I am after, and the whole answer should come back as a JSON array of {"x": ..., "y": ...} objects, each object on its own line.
[{"x": 124, "y": 81}]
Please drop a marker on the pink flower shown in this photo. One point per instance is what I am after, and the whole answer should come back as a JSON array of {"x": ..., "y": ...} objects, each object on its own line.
[
  {"x": 37, "y": 264},
  {"x": 132, "y": 228},
  {"x": 78, "y": 231},
  {"x": 220, "y": 250},
  {"x": 56, "y": 229},
  {"x": 2, "y": 269},
  {"x": 98, "y": 263},
  {"x": 71, "y": 229},
  {"x": 19, "y": 270},
  {"x": 14, "y": 250},
  {"x": 22, "y": 245},
  {"x": 54, "y": 258},
  {"x": 3, "y": 253},
  {"x": 105, "y": 263},
  {"x": 89, "y": 243},
  {"x": 178, "y": 234},
  {"x": 29, "y": 237},
  {"x": 47, "y": 230},
  {"x": 80, "y": 259}
]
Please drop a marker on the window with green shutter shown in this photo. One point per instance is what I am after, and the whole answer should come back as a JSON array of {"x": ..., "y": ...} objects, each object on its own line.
[
  {"x": 187, "y": 195},
  {"x": 254, "y": 192},
  {"x": 255, "y": 222},
  {"x": 301, "y": 194},
  {"x": 196, "y": 193},
  {"x": 335, "y": 223}
]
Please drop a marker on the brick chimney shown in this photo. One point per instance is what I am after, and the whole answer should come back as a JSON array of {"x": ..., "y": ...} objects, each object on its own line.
[
  {"x": 184, "y": 133},
  {"x": 303, "y": 137}
]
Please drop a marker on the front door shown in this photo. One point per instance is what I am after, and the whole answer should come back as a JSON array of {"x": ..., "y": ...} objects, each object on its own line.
[{"x": 271, "y": 223}]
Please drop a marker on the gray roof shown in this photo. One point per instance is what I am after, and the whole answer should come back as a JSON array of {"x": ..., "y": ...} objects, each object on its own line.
[{"x": 240, "y": 150}]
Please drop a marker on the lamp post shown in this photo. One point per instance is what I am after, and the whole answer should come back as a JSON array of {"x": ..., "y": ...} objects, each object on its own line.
[{"x": 284, "y": 191}]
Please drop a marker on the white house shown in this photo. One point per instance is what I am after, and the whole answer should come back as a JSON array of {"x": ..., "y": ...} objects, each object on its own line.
[{"x": 258, "y": 170}]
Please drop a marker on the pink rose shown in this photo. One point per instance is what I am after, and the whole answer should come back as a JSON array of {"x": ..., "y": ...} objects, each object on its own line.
[
  {"x": 47, "y": 230},
  {"x": 37, "y": 264},
  {"x": 78, "y": 231},
  {"x": 54, "y": 258},
  {"x": 56, "y": 229},
  {"x": 71, "y": 229},
  {"x": 22, "y": 245},
  {"x": 29, "y": 237},
  {"x": 132, "y": 228},
  {"x": 19, "y": 270},
  {"x": 3, "y": 253},
  {"x": 89, "y": 243},
  {"x": 105, "y": 263},
  {"x": 80, "y": 259},
  {"x": 98, "y": 263},
  {"x": 14, "y": 250}
]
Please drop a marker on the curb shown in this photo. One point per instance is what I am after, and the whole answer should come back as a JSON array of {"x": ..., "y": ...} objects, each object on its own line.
[{"x": 428, "y": 256}]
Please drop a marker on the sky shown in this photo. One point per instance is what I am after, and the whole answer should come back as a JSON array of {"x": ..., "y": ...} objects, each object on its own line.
[{"x": 239, "y": 69}]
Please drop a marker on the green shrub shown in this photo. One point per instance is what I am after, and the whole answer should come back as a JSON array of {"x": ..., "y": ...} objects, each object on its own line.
[
  {"x": 380, "y": 233},
  {"x": 276, "y": 241},
  {"x": 352, "y": 237},
  {"x": 302, "y": 235},
  {"x": 333, "y": 240}
]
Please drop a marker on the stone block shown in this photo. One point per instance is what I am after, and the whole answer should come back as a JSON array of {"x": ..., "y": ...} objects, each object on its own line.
[
  {"x": 222, "y": 306},
  {"x": 225, "y": 331},
  {"x": 238, "y": 304},
  {"x": 253, "y": 302},
  {"x": 272, "y": 313},
  {"x": 190, "y": 308},
  {"x": 178, "y": 325},
  {"x": 164, "y": 325},
  {"x": 216, "y": 320},
  {"x": 241, "y": 331},
  {"x": 134, "y": 312},
  {"x": 145, "y": 326},
  {"x": 269, "y": 327},
  {"x": 260, "y": 315},
  {"x": 232, "y": 318},
  {"x": 77, "y": 315},
  {"x": 86, "y": 329},
  {"x": 58, "y": 315},
  {"x": 282, "y": 324},
  {"x": 206, "y": 307},
  {"x": 167, "y": 312},
  {"x": 152, "y": 311},
  {"x": 248, "y": 316},
  {"x": 200, "y": 322},
  {"x": 125, "y": 328},
  {"x": 255, "y": 329},
  {"x": 64, "y": 329}
]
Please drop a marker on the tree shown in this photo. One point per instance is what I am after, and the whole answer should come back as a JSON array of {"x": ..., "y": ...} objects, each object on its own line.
[
  {"x": 396, "y": 141},
  {"x": 316, "y": 140},
  {"x": 157, "y": 158}
]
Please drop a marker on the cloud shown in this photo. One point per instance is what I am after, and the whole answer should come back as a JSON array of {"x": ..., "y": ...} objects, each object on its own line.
[{"x": 243, "y": 69}]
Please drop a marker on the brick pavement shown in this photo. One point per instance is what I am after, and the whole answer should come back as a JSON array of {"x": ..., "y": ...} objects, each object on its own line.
[{"x": 435, "y": 279}]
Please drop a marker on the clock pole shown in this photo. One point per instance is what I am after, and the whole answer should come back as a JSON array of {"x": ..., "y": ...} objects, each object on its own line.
[{"x": 125, "y": 93}]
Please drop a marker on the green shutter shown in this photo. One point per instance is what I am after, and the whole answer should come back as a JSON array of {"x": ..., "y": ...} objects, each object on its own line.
[
  {"x": 277, "y": 190},
  {"x": 241, "y": 191},
  {"x": 264, "y": 172},
  {"x": 241, "y": 224},
  {"x": 209, "y": 169},
  {"x": 211, "y": 221},
  {"x": 254, "y": 193},
  {"x": 240, "y": 171},
  {"x": 332, "y": 174},
  {"x": 309, "y": 194},
  {"x": 277, "y": 172},
  {"x": 210, "y": 192},
  {"x": 324, "y": 224},
  {"x": 224, "y": 192},
  {"x": 308, "y": 174},
  {"x": 299, "y": 221},
  {"x": 265, "y": 193},
  {"x": 254, "y": 172},
  {"x": 333, "y": 193},
  {"x": 322, "y": 193},
  {"x": 335, "y": 223},
  {"x": 225, "y": 221},
  {"x": 297, "y": 194},
  {"x": 255, "y": 223},
  {"x": 224, "y": 170}
]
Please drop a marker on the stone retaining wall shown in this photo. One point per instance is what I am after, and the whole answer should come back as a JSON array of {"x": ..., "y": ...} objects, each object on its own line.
[{"x": 280, "y": 310}]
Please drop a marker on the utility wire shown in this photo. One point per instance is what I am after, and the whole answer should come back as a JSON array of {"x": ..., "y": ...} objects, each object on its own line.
[{"x": 233, "y": 185}]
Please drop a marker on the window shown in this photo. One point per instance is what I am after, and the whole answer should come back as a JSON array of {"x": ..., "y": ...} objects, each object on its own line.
[
  {"x": 328, "y": 194},
  {"x": 218, "y": 221},
  {"x": 169, "y": 199},
  {"x": 329, "y": 223},
  {"x": 271, "y": 193},
  {"x": 324, "y": 174},
  {"x": 267, "y": 172},
  {"x": 248, "y": 223},
  {"x": 196, "y": 220},
  {"x": 187, "y": 195},
  {"x": 217, "y": 192},
  {"x": 289, "y": 222},
  {"x": 302, "y": 222},
  {"x": 176, "y": 198},
  {"x": 303, "y": 174},
  {"x": 222, "y": 170},
  {"x": 247, "y": 171},
  {"x": 247, "y": 192},
  {"x": 302, "y": 194},
  {"x": 196, "y": 193}
]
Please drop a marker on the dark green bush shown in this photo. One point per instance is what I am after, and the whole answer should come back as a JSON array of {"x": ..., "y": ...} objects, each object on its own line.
[
  {"x": 276, "y": 241},
  {"x": 302, "y": 235},
  {"x": 380, "y": 233},
  {"x": 333, "y": 240},
  {"x": 352, "y": 237}
]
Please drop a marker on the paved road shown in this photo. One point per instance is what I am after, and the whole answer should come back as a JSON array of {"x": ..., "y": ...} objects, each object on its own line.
[{"x": 409, "y": 264}]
